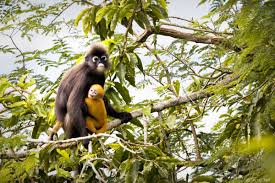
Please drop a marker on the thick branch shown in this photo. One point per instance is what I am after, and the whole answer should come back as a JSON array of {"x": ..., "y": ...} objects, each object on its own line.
[
  {"x": 190, "y": 36},
  {"x": 195, "y": 29},
  {"x": 206, "y": 39}
]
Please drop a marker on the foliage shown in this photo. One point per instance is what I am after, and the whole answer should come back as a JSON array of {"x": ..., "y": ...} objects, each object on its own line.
[{"x": 171, "y": 146}]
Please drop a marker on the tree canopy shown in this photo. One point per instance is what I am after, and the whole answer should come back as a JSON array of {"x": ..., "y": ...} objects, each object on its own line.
[{"x": 222, "y": 64}]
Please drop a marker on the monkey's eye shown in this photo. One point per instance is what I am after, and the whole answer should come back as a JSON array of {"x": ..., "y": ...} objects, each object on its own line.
[
  {"x": 104, "y": 58},
  {"x": 95, "y": 58}
]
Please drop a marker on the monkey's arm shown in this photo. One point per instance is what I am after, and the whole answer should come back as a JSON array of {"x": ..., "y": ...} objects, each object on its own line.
[
  {"x": 123, "y": 116},
  {"x": 90, "y": 124},
  {"x": 88, "y": 107}
]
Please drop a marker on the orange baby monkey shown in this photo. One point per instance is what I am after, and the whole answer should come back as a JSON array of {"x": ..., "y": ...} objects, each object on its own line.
[{"x": 97, "y": 120}]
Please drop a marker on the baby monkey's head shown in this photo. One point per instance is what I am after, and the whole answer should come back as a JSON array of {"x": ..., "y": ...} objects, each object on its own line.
[{"x": 96, "y": 91}]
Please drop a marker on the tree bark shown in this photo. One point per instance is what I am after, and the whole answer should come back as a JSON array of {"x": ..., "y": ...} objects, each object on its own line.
[{"x": 178, "y": 34}]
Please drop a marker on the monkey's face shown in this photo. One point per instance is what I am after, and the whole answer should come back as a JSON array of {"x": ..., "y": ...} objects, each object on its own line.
[
  {"x": 96, "y": 91},
  {"x": 97, "y": 58},
  {"x": 92, "y": 93}
]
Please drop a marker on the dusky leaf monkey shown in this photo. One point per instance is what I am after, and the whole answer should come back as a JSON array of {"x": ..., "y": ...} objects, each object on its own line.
[
  {"x": 70, "y": 107},
  {"x": 96, "y": 121}
]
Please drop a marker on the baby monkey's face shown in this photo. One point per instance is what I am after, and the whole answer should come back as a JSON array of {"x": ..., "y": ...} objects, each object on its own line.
[
  {"x": 96, "y": 91},
  {"x": 92, "y": 93}
]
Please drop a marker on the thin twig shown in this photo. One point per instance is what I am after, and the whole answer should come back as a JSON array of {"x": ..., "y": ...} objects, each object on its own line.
[
  {"x": 79, "y": 139},
  {"x": 20, "y": 51},
  {"x": 62, "y": 11},
  {"x": 179, "y": 18},
  {"x": 96, "y": 172},
  {"x": 127, "y": 31},
  {"x": 167, "y": 73},
  {"x": 188, "y": 66}
]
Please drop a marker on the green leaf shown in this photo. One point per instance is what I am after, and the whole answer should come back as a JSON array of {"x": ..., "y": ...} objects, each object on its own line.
[
  {"x": 102, "y": 29},
  {"x": 133, "y": 171},
  {"x": 158, "y": 12},
  {"x": 120, "y": 156},
  {"x": 130, "y": 74},
  {"x": 152, "y": 152},
  {"x": 40, "y": 111},
  {"x": 92, "y": 14},
  {"x": 137, "y": 122},
  {"x": 12, "y": 142},
  {"x": 17, "y": 104},
  {"x": 126, "y": 11},
  {"x": 64, "y": 154},
  {"x": 114, "y": 96},
  {"x": 121, "y": 72},
  {"x": 147, "y": 110},
  {"x": 139, "y": 18},
  {"x": 171, "y": 121},
  {"x": 22, "y": 81},
  {"x": 124, "y": 167},
  {"x": 177, "y": 86},
  {"x": 63, "y": 173},
  {"x": 123, "y": 92},
  {"x": 163, "y": 172},
  {"x": 139, "y": 64},
  {"x": 102, "y": 12},
  {"x": 114, "y": 21},
  {"x": 266, "y": 142},
  {"x": 169, "y": 160},
  {"x": 80, "y": 15},
  {"x": 30, "y": 163},
  {"x": 127, "y": 134},
  {"x": 4, "y": 85},
  {"x": 162, "y": 3},
  {"x": 110, "y": 44},
  {"x": 147, "y": 168},
  {"x": 114, "y": 146},
  {"x": 86, "y": 26},
  {"x": 79, "y": 59},
  {"x": 110, "y": 16}
]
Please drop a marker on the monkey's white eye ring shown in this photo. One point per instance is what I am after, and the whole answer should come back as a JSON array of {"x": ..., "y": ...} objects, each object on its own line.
[
  {"x": 104, "y": 58},
  {"x": 95, "y": 58}
]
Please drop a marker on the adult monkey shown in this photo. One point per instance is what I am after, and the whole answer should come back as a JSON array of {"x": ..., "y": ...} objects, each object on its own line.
[{"x": 70, "y": 107}]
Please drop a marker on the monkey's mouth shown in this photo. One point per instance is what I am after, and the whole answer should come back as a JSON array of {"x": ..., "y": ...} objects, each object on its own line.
[
  {"x": 101, "y": 67},
  {"x": 92, "y": 94}
]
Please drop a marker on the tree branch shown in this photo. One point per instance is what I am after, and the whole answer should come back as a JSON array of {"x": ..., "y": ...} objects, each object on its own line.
[
  {"x": 206, "y": 39},
  {"x": 165, "y": 31},
  {"x": 175, "y": 101},
  {"x": 189, "y": 36},
  {"x": 195, "y": 29},
  {"x": 62, "y": 11}
]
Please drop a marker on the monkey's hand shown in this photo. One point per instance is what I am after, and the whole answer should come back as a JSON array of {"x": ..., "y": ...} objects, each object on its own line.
[{"x": 125, "y": 117}]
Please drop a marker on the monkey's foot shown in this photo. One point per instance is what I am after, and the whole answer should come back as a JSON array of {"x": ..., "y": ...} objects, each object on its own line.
[{"x": 52, "y": 133}]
